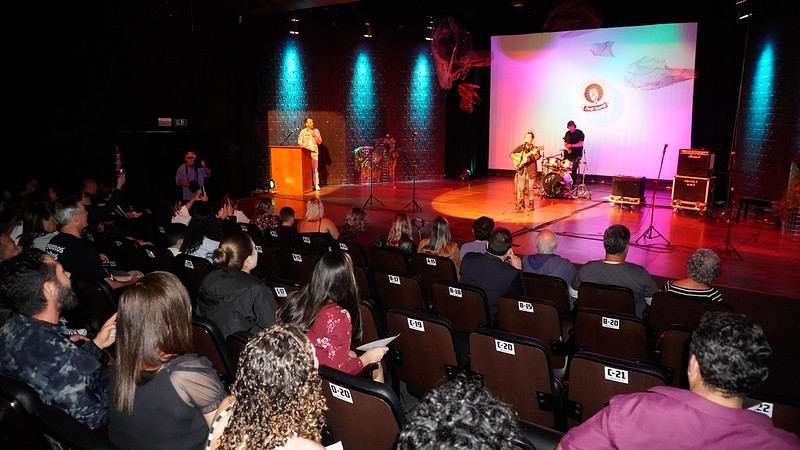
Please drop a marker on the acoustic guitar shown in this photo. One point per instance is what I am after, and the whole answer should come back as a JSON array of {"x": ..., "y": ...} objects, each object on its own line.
[{"x": 526, "y": 158}]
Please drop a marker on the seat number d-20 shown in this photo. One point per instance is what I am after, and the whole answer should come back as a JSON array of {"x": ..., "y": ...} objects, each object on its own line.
[
  {"x": 617, "y": 375},
  {"x": 341, "y": 393},
  {"x": 415, "y": 324}
]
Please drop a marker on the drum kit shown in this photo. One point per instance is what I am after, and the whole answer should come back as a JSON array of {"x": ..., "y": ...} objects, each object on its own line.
[{"x": 556, "y": 174}]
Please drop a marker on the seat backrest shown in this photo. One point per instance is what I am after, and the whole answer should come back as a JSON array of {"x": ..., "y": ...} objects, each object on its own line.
[
  {"x": 128, "y": 254},
  {"x": 209, "y": 342},
  {"x": 373, "y": 327},
  {"x": 362, "y": 414},
  {"x": 355, "y": 250},
  {"x": 669, "y": 308},
  {"x": 18, "y": 428},
  {"x": 156, "y": 258},
  {"x": 282, "y": 288},
  {"x": 399, "y": 291},
  {"x": 191, "y": 270},
  {"x": 463, "y": 305},
  {"x": 609, "y": 334},
  {"x": 97, "y": 298},
  {"x": 674, "y": 349},
  {"x": 606, "y": 297},
  {"x": 236, "y": 343},
  {"x": 594, "y": 379},
  {"x": 430, "y": 268},
  {"x": 51, "y": 420},
  {"x": 316, "y": 243},
  {"x": 253, "y": 231},
  {"x": 269, "y": 264},
  {"x": 297, "y": 265},
  {"x": 532, "y": 317},
  {"x": 501, "y": 358},
  {"x": 363, "y": 281},
  {"x": 389, "y": 260},
  {"x": 425, "y": 345},
  {"x": 785, "y": 414},
  {"x": 278, "y": 238},
  {"x": 547, "y": 287}
]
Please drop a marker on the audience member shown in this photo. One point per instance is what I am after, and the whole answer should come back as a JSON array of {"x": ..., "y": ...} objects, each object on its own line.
[
  {"x": 265, "y": 214},
  {"x": 498, "y": 271},
  {"x": 354, "y": 223},
  {"x": 34, "y": 346},
  {"x": 481, "y": 229},
  {"x": 76, "y": 255},
  {"x": 460, "y": 415},
  {"x": 400, "y": 235},
  {"x": 176, "y": 232},
  {"x": 181, "y": 212},
  {"x": 38, "y": 226},
  {"x": 203, "y": 234},
  {"x": 276, "y": 401},
  {"x": 614, "y": 270},
  {"x": 232, "y": 298},
  {"x": 729, "y": 359},
  {"x": 230, "y": 210},
  {"x": 190, "y": 177},
  {"x": 287, "y": 217},
  {"x": 439, "y": 242},
  {"x": 326, "y": 309},
  {"x": 546, "y": 262},
  {"x": 315, "y": 220},
  {"x": 702, "y": 268},
  {"x": 100, "y": 208},
  {"x": 8, "y": 249},
  {"x": 164, "y": 396}
]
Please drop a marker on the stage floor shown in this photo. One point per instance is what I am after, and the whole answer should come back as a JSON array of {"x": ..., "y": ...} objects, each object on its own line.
[{"x": 768, "y": 262}]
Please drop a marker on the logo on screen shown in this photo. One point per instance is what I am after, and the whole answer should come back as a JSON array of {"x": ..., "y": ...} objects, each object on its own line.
[{"x": 594, "y": 95}]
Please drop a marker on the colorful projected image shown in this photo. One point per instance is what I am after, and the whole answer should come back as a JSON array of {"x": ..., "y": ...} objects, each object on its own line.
[{"x": 629, "y": 90}]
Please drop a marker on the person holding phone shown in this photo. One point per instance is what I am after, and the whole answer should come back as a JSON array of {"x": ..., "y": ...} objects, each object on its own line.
[{"x": 190, "y": 177}]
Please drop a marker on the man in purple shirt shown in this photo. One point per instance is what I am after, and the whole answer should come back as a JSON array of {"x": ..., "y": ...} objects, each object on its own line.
[{"x": 729, "y": 359}]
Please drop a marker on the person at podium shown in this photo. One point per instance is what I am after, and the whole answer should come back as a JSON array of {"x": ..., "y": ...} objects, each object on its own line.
[{"x": 310, "y": 138}]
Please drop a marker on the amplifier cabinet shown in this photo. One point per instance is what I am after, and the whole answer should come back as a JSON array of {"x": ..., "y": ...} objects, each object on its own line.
[
  {"x": 692, "y": 193},
  {"x": 695, "y": 162},
  {"x": 630, "y": 187}
]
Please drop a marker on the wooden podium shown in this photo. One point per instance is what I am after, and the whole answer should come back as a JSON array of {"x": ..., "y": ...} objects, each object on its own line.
[{"x": 291, "y": 169}]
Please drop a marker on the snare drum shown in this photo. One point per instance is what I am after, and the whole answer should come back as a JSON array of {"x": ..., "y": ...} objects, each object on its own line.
[{"x": 566, "y": 165}]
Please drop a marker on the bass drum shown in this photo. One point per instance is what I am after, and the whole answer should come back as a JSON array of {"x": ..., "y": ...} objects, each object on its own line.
[{"x": 553, "y": 184}]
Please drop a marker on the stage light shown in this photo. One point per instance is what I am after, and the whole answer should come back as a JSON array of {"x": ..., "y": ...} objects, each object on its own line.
[
  {"x": 271, "y": 185},
  {"x": 744, "y": 9},
  {"x": 431, "y": 29},
  {"x": 367, "y": 30},
  {"x": 294, "y": 26}
]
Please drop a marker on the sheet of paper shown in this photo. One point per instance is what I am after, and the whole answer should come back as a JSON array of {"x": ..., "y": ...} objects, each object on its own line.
[
  {"x": 378, "y": 343},
  {"x": 335, "y": 446}
]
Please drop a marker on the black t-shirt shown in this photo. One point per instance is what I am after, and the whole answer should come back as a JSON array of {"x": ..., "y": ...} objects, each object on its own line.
[
  {"x": 77, "y": 256},
  {"x": 574, "y": 138}
]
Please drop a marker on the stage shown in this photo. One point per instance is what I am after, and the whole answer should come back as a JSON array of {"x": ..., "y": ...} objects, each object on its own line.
[{"x": 768, "y": 260}]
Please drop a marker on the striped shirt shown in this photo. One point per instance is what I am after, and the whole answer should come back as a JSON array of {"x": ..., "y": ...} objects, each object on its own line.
[{"x": 711, "y": 294}]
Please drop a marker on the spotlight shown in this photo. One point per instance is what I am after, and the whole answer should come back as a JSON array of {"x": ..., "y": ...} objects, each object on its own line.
[
  {"x": 430, "y": 28},
  {"x": 367, "y": 30},
  {"x": 294, "y": 26},
  {"x": 744, "y": 9},
  {"x": 271, "y": 184}
]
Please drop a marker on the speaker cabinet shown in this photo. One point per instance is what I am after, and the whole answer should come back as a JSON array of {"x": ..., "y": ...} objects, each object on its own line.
[
  {"x": 695, "y": 162},
  {"x": 630, "y": 187},
  {"x": 692, "y": 193}
]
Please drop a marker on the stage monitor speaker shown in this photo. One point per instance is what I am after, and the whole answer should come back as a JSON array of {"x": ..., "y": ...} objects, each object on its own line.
[
  {"x": 695, "y": 162},
  {"x": 631, "y": 187},
  {"x": 692, "y": 189}
]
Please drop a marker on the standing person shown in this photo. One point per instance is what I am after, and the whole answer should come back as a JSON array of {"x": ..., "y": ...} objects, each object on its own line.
[
  {"x": 573, "y": 145},
  {"x": 310, "y": 138},
  {"x": 524, "y": 158},
  {"x": 191, "y": 177},
  {"x": 164, "y": 396}
]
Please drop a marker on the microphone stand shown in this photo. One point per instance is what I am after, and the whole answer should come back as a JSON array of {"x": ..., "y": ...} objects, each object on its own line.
[
  {"x": 413, "y": 203},
  {"x": 371, "y": 197},
  {"x": 651, "y": 232},
  {"x": 287, "y": 136}
]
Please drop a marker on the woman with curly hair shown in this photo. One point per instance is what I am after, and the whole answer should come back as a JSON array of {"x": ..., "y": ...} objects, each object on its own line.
[
  {"x": 439, "y": 242},
  {"x": 275, "y": 401},
  {"x": 326, "y": 309},
  {"x": 702, "y": 269},
  {"x": 266, "y": 215},
  {"x": 203, "y": 234}
]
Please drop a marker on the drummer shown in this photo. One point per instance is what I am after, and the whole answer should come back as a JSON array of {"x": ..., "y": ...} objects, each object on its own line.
[{"x": 573, "y": 148}]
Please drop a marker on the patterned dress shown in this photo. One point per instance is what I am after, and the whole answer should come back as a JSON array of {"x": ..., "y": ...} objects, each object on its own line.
[{"x": 330, "y": 333}]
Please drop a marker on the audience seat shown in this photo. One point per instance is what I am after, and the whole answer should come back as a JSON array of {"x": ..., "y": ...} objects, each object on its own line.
[
  {"x": 356, "y": 252},
  {"x": 191, "y": 270},
  {"x": 784, "y": 412},
  {"x": 673, "y": 348},
  {"x": 424, "y": 348},
  {"x": 209, "y": 342},
  {"x": 156, "y": 258},
  {"x": 297, "y": 265},
  {"x": 315, "y": 243},
  {"x": 269, "y": 264},
  {"x": 277, "y": 238},
  {"x": 363, "y": 281},
  {"x": 373, "y": 325},
  {"x": 431, "y": 268},
  {"x": 609, "y": 334},
  {"x": 21, "y": 399},
  {"x": 236, "y": 343},
  {"x": 97, "y": 298},
  {"x": 128, "y": 255},
  {"x": 594, "y": 379},
  {"x": 549, "y": 288},
  {"x": 394, "y": 290},
  {"x": 606, "y": 297},
  {"x": 516, "y": 369},
  {"x": 389, "y": 260},
  {"x": 362, "y": 414},
  {"x": 532, "y": 437},
  {"x": 536, "y": 318},
  {"x": 281, "y": 288},
  {"x": 669, "y": 308},
  {"x": 463, "y": 305},
  {"x": 253, "y": 231}
]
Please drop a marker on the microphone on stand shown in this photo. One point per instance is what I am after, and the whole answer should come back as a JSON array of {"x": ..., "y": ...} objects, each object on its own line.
[{"x": 665, "y": 146}]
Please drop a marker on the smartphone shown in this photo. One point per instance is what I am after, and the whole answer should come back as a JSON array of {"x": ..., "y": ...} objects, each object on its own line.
[{"x": 202, "y": 191}]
